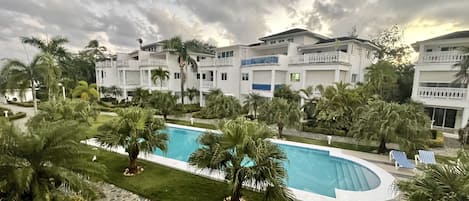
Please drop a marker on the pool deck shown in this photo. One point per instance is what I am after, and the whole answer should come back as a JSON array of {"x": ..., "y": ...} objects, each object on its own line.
[{"x": 377, "y": 163}]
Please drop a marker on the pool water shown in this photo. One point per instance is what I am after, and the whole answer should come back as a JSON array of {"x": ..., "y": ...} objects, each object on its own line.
[{"x": 308, "y": 169}]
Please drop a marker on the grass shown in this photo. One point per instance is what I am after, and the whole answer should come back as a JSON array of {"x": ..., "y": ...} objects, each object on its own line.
[
  {"x": 188, "y": 123},
  {"x": 101, "y": 119},
  {"x": 362, "y": 148},
  {"x": 162, "y": 183}
]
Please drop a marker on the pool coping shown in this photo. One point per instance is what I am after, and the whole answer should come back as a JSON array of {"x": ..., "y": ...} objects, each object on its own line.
[{"x": 384, "y": 191}]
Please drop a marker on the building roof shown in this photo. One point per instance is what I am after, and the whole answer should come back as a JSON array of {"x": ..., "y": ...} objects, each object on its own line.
[
  {"x": 294, "y": 31},
  {"x": 454, "y": 35},
  {"x": 342, "y": 39}
]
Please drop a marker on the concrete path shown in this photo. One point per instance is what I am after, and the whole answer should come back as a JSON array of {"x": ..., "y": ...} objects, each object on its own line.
[{"x": 21, "y": 123}]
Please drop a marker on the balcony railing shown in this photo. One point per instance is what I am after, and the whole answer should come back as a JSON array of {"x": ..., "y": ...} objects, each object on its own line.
[
  {"x": 323, "y": 57},
  {"x": 105, "y": 64},
  {"x": 442, "y": 93},
  {"x": 228, "y": 61},
  {"x": 442, "y": 57},
  {"x": 153, "y": 62},
  {"x": 264, "y": 60}
]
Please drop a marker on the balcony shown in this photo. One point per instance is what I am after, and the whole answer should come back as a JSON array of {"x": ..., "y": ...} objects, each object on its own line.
[
  {"x": 127, "y": 63},
  {"x": 207, "y": 85},
  {"x": 105, "y": 64},
  {"x": 442, "y": 93},
  {"x": 265, "y": 87},
  {"x": 152, "y": 62},
  {"x": 228, "y": 61},
  {"x": 323, "y": 57},
  {"x": 442, "y": 57},
  {"x": 262, "y": 60}
]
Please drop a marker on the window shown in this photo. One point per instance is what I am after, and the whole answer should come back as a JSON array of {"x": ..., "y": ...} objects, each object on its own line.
[
  {"x": 273, "y": 42},
  {"x": 281, "y": 41},
  {"x": 442, "y": 117},
  {"x": 290, "y": 40},
  {"x": 176, "y": 75},
  {"x": 224, "y": 76},
  {"x": 245, "y": 76},
  {"x": 295, "y": 77},
  {"x": 198, "y": 76},
  {"x": 428, "y": 50},
  {"x": 203, "y": 76},
  {"x": 225, "y": 54},
  {"x": 354, "y": 78},
  {"x": 198, "y": 58},
  {"x": 102, "y": 74}
]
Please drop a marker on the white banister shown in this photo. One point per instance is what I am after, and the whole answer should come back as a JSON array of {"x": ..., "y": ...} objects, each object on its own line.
[
  {"x": 442, "y": 93},
  {"x": 323, "y": 57},
  {"x": 442, "y": 57},
  {"x": 227, "y": 61}
]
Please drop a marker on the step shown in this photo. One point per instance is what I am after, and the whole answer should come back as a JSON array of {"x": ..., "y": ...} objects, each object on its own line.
[
  {"x": 353, "y": 175},
  {"x": 362, "y": 178},
  {"x": 340, "y": 177},
  {"x": 347, "y": 177}
]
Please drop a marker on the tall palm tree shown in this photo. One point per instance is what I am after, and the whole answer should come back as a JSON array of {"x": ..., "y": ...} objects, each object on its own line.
[
  {"x": 181, "y": 49},
  {"x": 381, "y": 79},
  {"x": 46, "y": 163},
  {"x": 462, "y": 76},
  {"x": 53, "y": 72},
  {"x": 280, "y": 112},
  {"x": 192, "y": 93},
  {"x": 253, "y": 101},
  {"x": 159, "y": 74},
  {"x": 86, "y": 92},
  {"x": 164, "y": 102},
  {"x": 54, "y": 46},
  {"x": 19, "y": 75},
  {"x": 136, "y": 130},
  {"x": 242, "y": 152},
  {"x": 95, "y": 51},
  {"x": 446, "y": 181}
]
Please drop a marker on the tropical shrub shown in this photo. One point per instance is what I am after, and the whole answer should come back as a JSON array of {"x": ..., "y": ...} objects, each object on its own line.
[
  {"x": 220, "y": 106},
  {"x": 164, "y": 102},
  {"x": 280, "y": 112}
]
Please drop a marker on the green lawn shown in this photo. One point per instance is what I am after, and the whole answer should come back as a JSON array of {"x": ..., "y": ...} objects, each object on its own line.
[
  {"x": 188, "y": 123},
  {"x": 94, "y": 126},
  {"x": 158, "y": 182},
  {"x": 363, "y": 148}
]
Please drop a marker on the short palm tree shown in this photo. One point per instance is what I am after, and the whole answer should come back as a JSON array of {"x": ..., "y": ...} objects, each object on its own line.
[
  {"x": 213, "y": 93},
  {"x": 310, "y": 101},
  {"x": 86, "y": 92},
  {"x": 242, "y": 152},
  {"x": 280, "y": 112},
  {"x": 178, "y": 47},
  {"x": 287, "y": 93},
  {"x": 19, "y": 75},
  {"x": 140, "y": 96},
  {"x": 192, "y": 93},
  {"x": 47, "y": 163},
  {"x": 159, "y": 74},
  {"x": 164, "y": 102},
  {"x": 115, "y": 91},
  {"x": 221, "y": 106},
  {"x": 462, "y": 76},
  {"x": 447, "y": 181},
  {"x": 136, "y": 130},
  {"x": 253, "y": 101}
]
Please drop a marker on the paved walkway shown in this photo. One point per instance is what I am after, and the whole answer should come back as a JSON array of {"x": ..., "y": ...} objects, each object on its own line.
[{"x": 20, "y": 122}]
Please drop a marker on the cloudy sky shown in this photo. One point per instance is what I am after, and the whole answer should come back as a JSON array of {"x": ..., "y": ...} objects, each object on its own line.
[{"x": 118, "y": 23}]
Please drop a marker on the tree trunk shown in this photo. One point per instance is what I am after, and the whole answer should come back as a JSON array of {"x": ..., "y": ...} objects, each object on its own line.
[
  {"x": 133, "y": 154},
  {"x": 382, "y": 146},
  {"x": 33, "y": 89},
  {"x": 255, "y": 112},
  {"x": 181, "y": 67},
  {"x": 161, "y": 84},
  {"x": 236, "y": 195},
  {"x": 280, "y": 130},
  {"x": 165, "y": 116}
]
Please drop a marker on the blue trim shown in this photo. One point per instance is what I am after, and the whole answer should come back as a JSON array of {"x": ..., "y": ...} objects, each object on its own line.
[
  {"x": 260, "y": 60},
  {"x": 265, "y": 87}
]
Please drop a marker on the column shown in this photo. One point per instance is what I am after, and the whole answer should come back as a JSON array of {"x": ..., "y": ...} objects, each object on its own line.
[
  {"x": 337, "y": 75},
  {"x": 272, "y": 82},
  {"x": 149, "y": 79},
  {"x": 124, "y": 84},
  {"x": 415, "y": 86},
  {"x": 465, "y": 117}
]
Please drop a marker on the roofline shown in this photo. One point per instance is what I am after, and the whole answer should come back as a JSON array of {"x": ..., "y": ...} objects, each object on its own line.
[
  {"x": 345, "y": 41},
  {"x": 416, "y": 45},
  {"x": 294, "y": 34}
]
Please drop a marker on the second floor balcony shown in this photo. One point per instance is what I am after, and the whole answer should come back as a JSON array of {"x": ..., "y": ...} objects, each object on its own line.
[
  {"x": 127, "y": 63},
  {"x": 152, "y": 62},
  {"x": 441, "y": 57},
  {"x": 105, "y": 64},
  {"x": 227, "y": 61},
  {"x": 442, "y": 93},
  {"x": 322, "y": 57},
  {"x": 266, "y": 60}
]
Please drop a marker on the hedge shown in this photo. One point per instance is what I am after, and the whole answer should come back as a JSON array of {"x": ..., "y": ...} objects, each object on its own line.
[
  {"x": 325, "y": 131},
  {"x": 439, "y": 140},
  {"x": 22, "y": 104},
  {"x": 16, "y": 116}
]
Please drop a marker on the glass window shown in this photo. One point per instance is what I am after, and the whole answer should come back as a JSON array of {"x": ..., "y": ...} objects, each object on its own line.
[
  {"x": 223, "y": 55},
  {"x": 245, "y": 76},
  {"x": 439, "y": 116},
  {"x": 273, "y": 41},
  {"x": 295, "y": 77},
  {"x": 231, "y": 53},
  {"x": 354, "y": 78},
  {"x": 203, "y": 76},
  {"x": 428, "y": 50},
  {"x": 176, "y": 75},
  {"x": 224, "y": 76},
  {"x": 450, "y": 118},
  {"x": 290, "y": 40},
  {"x": 198, "y": 76},
  {"x": 281, "y": 41}
]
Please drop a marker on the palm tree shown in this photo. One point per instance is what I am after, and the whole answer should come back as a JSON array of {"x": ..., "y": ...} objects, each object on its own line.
[
  {"x": 381, "y": 79},
  {"x": 462, "y": 76},
  {"x": 164, "y": 102},
  {"x": 95, "y": 51},
  {"x": 115, "y": 91},
  {"x": 213, "y": 93},
  {"x": 281, "y": 112},
  {"x": 52, "y": 74},
  {"x": 19, "y": 75},
  {"x": 86, "y": 92},
  {"x": 159, "y": 74},
  {"x": 140, "y": 96},
  {"x": 253, "y": 101},
  {"x": 46, "y": 163},
  {"x": 192, "y": 93},
  {"x": 221, "y": 106},
  {"x": 136, "y": 130},
  {"x": 242, "y": 152},
  {"x": 310, "y": 101},
  {"x": 181, "y": 49},
  {"x": 447, "y": 181},
  {"x": 287, "y": 93}
]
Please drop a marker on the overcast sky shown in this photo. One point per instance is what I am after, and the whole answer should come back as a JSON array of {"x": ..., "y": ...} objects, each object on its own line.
[{"x": 118, "y": 23}]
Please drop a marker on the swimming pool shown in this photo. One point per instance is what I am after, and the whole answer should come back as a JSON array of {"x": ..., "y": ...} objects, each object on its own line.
[{"x": 311, "y": 170}]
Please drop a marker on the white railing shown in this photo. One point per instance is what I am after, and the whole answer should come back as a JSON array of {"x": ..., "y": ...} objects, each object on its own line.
[
  {"x": 228, "y": 61},
  {"x": 105, "y": 64},
  {"x": 153, "y": 62},
  {"x": 442, "y": 57},
  {"x": 127, "y": 63},
  {"x": 207, "y": 85},
  {"x": 323, "y": 57},
  {"x": 442, "y": 93}
]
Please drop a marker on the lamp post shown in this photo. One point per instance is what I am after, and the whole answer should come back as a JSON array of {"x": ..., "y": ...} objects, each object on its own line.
[{"x": 63, "y": 90}]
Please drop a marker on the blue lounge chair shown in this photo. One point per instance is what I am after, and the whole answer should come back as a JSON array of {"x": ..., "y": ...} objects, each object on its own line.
[
  {"x": 400, "y": 160},
  {"x": 425, "y": 157}
]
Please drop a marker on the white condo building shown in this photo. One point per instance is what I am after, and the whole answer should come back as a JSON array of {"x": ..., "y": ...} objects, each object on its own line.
[
  {"x": 446, "y": 102},
  {"x": 296, "y": 57}
]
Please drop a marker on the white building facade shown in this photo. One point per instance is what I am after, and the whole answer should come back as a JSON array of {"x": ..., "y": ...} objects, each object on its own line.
[
  {"x": 296, "y": 57},
  {"x": 445, "y": 101}
]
